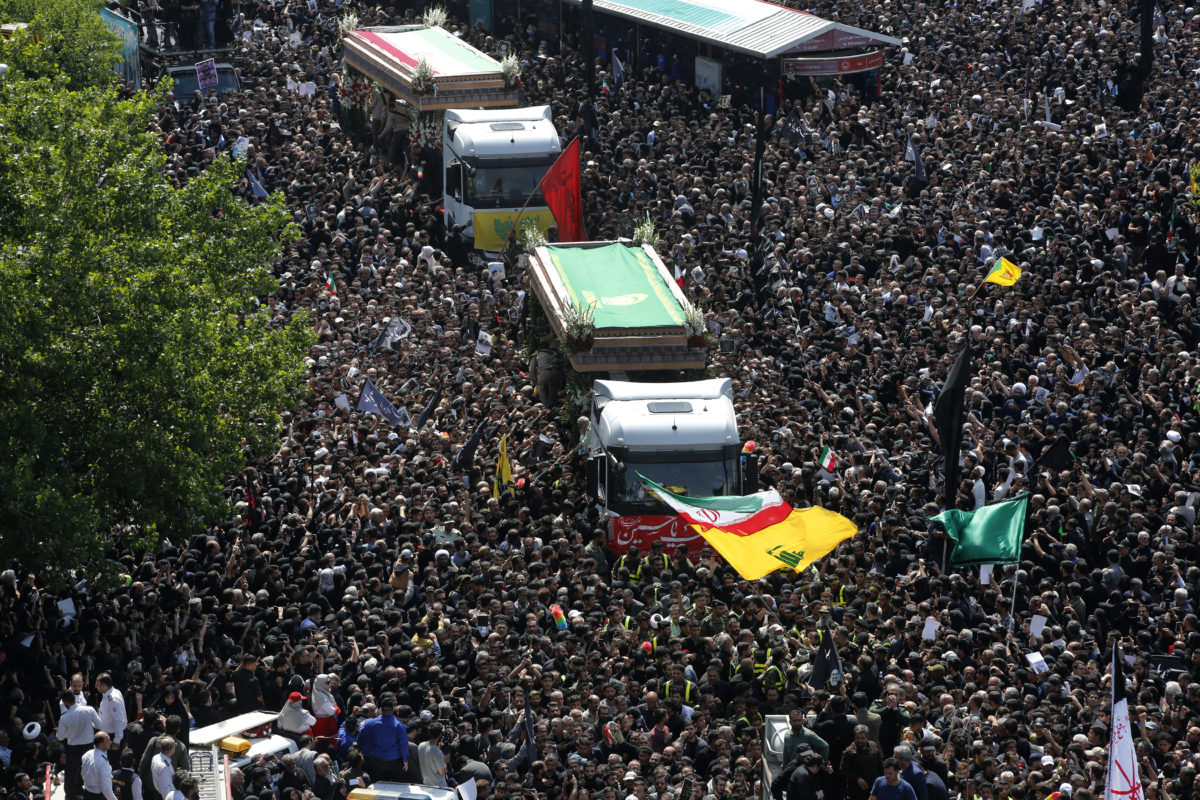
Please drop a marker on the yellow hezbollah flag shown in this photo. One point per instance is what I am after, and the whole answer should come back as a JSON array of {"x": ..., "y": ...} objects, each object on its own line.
[
  {"x": 503, "y": 468},
  {"x": 800, "y": 539},
  {"x": 1004, "y": 273}
]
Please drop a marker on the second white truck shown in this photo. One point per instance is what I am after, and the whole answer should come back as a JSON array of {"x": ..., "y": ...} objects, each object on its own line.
[{"x": 493, "y": 160}]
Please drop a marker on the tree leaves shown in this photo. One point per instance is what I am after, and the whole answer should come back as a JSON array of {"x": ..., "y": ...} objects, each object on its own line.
[{"x": 136, "y": 361}]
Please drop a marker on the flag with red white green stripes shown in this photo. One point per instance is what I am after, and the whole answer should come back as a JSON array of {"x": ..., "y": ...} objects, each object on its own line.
[
  {"x": 738, "y": 515},
  {"x": 827, "y": 462},
  {"x": 330, "y": 283}
]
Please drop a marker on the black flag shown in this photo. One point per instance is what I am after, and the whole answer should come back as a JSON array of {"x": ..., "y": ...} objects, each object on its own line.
[
  {"x": 396, "y": 330},
  {"x": 428, "y": 412},
  {"x": 465, "y": 458},
  {"x": 911, "y": 153},
  {"x": 827, "y": 667},
  {"x": 1057, "y": 456},
  {"x": 948, "y": 419}
]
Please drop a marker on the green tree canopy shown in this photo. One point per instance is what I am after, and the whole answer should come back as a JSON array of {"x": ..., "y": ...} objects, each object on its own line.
[
  {"x": 137, "y": 365},
  {"x": 73, "y": 41}
]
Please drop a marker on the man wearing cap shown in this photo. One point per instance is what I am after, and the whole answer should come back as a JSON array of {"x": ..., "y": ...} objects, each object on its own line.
[
  {"x": 803, "y": 783},
  {"x": 935, "y": 784},
  {"x": 384, "y": 741}
]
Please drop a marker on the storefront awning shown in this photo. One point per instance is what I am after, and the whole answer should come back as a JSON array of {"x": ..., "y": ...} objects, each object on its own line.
[{"x": 753, "y": 27}]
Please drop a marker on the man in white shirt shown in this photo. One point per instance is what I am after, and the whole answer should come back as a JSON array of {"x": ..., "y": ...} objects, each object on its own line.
[
  {"x": 97, "y": 772},
  {"x": 76, "y": 728},
  {"x": 77, "y": 690},
  {"x": 113, "y": 717},
  {"x": 162, "y": 769}
]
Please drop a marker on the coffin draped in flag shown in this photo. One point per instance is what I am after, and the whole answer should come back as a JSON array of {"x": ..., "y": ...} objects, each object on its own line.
[
  {"x": 760, "y": 533},
  {"x": 560, "y": 188},
  {"x": 1122, "y": 782}
]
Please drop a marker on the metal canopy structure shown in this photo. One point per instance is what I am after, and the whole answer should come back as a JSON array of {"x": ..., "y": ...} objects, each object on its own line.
[{"x": 753, "y": 27}]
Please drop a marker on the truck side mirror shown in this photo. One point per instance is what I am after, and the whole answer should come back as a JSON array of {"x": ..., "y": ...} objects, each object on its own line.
[
  {"x": 454, "y": 181},
  {"x": 592, "y": 476},
  {"x": 749, "y": 473},
  {"x": 617, "y": 465}
]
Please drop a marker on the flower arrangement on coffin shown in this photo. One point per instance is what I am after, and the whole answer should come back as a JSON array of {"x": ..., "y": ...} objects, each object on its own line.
[
  {"x": 434, "y": 17},
  {"x": 581, "y": 328},
  {"x": 511, "y": 68},
  {"x": 531, "y": 236},
  {"x": 355, "y": 89},
  {"x": 427, "y": 129},
  {"x": 422, "y": 83},
  {"x": 347, "y": 22},
  {"x": 696, "y": 328},
  {"x": 643, "y": 232}
]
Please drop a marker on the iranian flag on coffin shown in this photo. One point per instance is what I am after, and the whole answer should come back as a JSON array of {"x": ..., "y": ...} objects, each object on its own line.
[{"x": 739, "y": 515}]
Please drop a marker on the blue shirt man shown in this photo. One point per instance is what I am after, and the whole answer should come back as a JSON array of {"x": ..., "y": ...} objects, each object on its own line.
[
  {"x": 890, "y": 786},
  {"x": 384, "y": 741},
  {"x": 910, "y": 771}
]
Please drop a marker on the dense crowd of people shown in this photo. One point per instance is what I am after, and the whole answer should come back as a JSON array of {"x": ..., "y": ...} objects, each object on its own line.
[{"x": 373, "y": 590}]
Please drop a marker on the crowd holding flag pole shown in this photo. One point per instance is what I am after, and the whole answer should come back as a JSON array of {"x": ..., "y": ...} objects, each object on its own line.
[
  {"x": 989, "y": 535},
  {"x": 1122, "y": 781},
  {"x": 561, "y": 189},
  {"x": 948, "y": 419},
  {"x": 1004, "y": 273},
  {"x": 827, "y": 666}
]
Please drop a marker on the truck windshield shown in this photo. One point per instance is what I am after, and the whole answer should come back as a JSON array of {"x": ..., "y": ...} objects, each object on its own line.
[
  {"x": 708, "y": 475},
  {"x": 505, "y": 184}
]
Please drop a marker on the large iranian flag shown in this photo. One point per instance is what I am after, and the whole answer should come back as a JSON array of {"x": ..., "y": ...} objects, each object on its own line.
[{"x": 739, "y": 515}]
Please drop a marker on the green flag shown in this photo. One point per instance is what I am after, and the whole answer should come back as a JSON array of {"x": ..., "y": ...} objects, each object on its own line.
[{"x": 989, "y": 535}]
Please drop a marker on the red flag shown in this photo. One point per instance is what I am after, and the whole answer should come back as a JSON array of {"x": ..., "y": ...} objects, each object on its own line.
[{"x": 560, "y": 187}]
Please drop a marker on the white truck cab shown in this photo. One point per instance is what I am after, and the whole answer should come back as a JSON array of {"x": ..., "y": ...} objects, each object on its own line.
[
  {"x": 682, "y": 435},
  {"x": 493, "y": 160}
]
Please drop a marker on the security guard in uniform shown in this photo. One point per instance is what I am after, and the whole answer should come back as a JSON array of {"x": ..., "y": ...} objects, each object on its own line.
[
  {"x": 775, "y": 676},
  {"x": 657, "y": 562},
  {"x": 762, "y": 657},
  {"x": 127, "y": 784},
  {"x": 679, "y": 686},
  {"x": 618, "y": 620},
  {"x": 632, "y": 562}
]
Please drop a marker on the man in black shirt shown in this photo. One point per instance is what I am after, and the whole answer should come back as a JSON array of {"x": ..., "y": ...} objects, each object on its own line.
[
  {"x": 247, "y": 689},
  {"x": 804, "y": 784}
]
